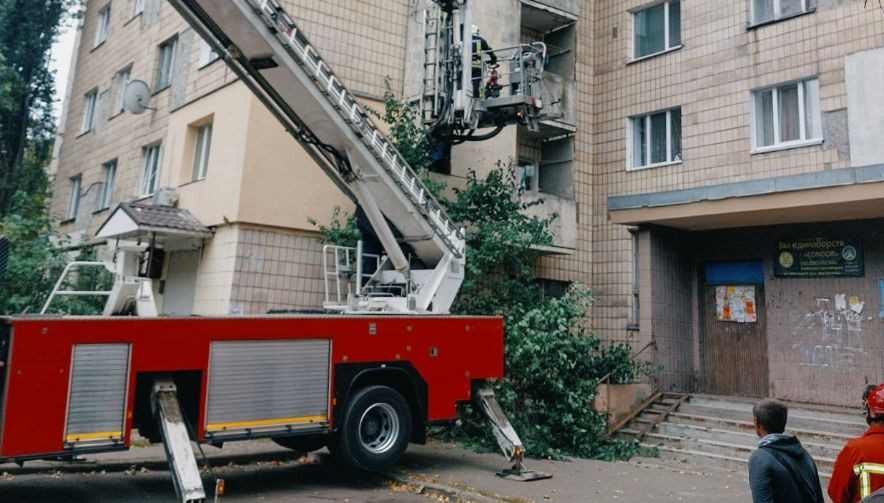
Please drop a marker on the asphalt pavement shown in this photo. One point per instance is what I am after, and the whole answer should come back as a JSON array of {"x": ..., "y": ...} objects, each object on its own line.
[{"x": 263, "y": 471}]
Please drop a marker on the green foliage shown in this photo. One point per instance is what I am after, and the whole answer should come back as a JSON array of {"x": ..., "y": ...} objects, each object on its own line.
[
  {"x": 342, "y": 231},
  {"x": 27, "y": 29},
  {"x": 500, "y": 244}
]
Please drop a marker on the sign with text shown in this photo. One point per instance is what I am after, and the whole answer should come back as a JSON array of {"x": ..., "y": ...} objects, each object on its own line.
[{"x": 819, "y": 258}]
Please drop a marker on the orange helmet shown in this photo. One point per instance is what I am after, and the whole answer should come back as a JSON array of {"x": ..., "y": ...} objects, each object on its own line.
[{"x": 875, "y": 402}]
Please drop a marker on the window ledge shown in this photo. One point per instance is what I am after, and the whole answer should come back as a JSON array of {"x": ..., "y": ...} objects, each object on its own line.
[
  {"x": 654, "y": 55},
  {"x": 84, "y": 133},
  {"x": 191, "y": 182},
  {"x": 115, "y": 115},
  {"x": 67, "y": 221},
  {"x": 206, "y": 65},
  {"x": 787, "y": 146},
  {"x": 133, "y": 18},
  {"x": 633, "y": 327},
  {"x": 158, "y": 91},
  {"x": 657, "y": 165},
  {"x": 752, "y": 26},
  {"x": 96, "y": 46},
  {"x": 101, "y": 210}
]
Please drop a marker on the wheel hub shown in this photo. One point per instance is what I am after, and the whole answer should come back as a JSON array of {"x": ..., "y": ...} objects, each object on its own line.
[{"x": 379, "y": 428}]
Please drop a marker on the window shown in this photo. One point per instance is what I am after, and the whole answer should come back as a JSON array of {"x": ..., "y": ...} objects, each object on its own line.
[
  {"x": 635, "y": 313},
  {"x": 107, "y": 188},
  {"x": 103, "y": 25},
  {"x": 657, "y": 28},
  {"x": 787, "y": 115},
  {"x": 201, "y": 151},
  {"x": 123, "y": 78},
  {"x": 207, "y": 54},
  {"x": 655, "y": 139},
  {"x": 166, "y": 61},
  {"x": 137, "y": 7},
  {"x": 90, "y": 104},
  {"x": 74, "y": 203},
  {"x": 764, "y": 11},
  {"x": 150, "y": 174}
]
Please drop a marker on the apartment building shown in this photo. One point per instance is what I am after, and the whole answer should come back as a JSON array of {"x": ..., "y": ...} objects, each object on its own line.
[
  {"x": 738, "y": 191},
  {"x": 714, "y": 169}
]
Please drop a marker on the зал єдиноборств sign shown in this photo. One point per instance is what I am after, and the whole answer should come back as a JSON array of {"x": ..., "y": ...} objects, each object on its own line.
[{"x": 819, "y": 257}]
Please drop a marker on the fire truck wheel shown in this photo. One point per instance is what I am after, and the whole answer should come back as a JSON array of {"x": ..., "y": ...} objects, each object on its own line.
[
  {"x": 302, "y": 443},
  {"x": 376, "y": 428}
]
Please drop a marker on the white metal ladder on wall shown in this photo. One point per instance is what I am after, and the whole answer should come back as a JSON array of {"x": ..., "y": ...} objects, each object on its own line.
[{"x": 268, "y": 51}]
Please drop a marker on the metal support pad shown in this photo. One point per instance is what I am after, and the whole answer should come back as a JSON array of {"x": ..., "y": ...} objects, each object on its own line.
[
  {"x": 176, "y": 441},
  {"x": 506, "y": 436}
]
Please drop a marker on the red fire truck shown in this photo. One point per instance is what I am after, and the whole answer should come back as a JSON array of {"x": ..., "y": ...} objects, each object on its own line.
[{"x": 364, "y": 380}]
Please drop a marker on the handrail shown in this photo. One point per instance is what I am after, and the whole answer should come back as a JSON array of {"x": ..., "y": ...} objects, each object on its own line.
[
  {"x": 74, "y": 293},
  {"x": 607, "y": 376}
]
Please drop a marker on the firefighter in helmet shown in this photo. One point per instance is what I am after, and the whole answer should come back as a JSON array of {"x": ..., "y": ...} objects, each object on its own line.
[
  {"x": 859, "y": 469},
  {"x": 481, "y": 51}
]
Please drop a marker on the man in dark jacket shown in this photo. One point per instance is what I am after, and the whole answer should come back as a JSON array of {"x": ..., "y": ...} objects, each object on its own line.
[{"x": 780, "y": 470}]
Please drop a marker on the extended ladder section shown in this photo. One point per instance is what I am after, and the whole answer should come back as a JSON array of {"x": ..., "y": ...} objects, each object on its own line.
[
  {"x": 176, "y": 441},
  {"x": 268, "y": 51}
]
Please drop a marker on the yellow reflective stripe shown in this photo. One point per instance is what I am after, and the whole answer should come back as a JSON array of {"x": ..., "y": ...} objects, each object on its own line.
[
  {"x": 75, "y": 437},
  {"x": 865, "y": 471},
  {"x": 266, "y": 422}
]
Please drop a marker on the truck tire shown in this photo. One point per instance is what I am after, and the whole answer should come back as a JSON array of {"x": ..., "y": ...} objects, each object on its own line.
[
  {"x": 302, "y": 443},
  {"x": 376, "y": 429}
]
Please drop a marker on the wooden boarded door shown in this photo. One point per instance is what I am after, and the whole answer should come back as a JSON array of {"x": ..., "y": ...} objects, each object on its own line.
[{"x": 734, "y": 354}]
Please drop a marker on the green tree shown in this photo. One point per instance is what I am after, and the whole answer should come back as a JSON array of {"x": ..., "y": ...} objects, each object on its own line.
[{"x": 27, "y": 125}]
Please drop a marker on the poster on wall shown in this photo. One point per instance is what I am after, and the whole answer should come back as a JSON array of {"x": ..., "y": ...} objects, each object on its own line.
[
  {"x": 736, "y": 304},
  {"x": 819, "y": 258}
]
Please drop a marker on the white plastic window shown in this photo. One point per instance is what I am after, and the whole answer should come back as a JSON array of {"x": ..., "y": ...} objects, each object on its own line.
[
  {"x": 103, "y": 25},
  {"x": 655, "y": 139},
  {"x": 74, "y": 203},
  {"x": 764, "y": 11},
  {"x": 90, "y": 104},
  {"x": 150, "y": 173},
  {"x": 201, "y": 152},
  {"x": 107, "y": 188},
  {"x": 657, "y": 28},
  {"x": 787, "y": 115}
]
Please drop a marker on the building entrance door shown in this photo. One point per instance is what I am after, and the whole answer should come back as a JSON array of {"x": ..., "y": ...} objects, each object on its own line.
[{"x": 734, "y": 338}]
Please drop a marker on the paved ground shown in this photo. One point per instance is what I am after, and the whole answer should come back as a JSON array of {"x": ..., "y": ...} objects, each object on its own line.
[{"x": 261, "y": 471}]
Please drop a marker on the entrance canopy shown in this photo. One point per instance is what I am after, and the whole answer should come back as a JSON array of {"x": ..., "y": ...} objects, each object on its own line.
[
  {"x": 844, "y": 194},
  {"x": 140, "y": 222}
]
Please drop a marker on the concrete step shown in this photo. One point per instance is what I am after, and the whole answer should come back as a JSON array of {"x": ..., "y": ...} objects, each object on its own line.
[
  {"x": 822, "y": 437},
  {"x": 709, "y": 461},
  {"x": 796, "y": 422},
  {"x": 822, "y": 449},
  {"x": 838, "y": 415},
  {"x": 824, "y": 459}
]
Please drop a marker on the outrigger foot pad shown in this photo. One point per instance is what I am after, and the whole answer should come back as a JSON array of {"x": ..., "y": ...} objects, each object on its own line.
[{"x": 519, "y": 473}]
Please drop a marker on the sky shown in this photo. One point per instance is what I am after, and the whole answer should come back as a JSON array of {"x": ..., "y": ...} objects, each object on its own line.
[{"x": 60, "y": 62}]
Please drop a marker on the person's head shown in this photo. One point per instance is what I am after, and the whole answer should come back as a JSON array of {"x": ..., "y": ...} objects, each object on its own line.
[
  {"x": 873, "y": 401},
  {"x": 769, "y": 416},
  {"x": 475, "y": 30}
]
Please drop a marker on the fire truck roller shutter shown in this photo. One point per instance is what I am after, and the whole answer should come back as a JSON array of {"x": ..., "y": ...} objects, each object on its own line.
[
  {"x": 97, "y": 395},
  {"x": 267, "y": 387}
]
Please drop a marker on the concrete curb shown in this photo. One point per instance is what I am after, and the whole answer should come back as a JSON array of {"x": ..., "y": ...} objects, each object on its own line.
[{"x": 443, "y": 492}]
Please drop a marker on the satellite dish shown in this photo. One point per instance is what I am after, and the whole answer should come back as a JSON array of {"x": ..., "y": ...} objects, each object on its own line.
[{"x": 136, "y": 97}]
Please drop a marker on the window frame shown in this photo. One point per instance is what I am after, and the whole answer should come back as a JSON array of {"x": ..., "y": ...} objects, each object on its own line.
[
  {"x": 103, "y": 29},
  {"x": 89, "y": 110},
  {"x": 76, "y": 182},
  {"x": 162, "y": 84},
  {"x": 137, "y": 8},
  {"x": 667, "y": 48},
  {"x": 635, "y": 309},
  {"x": 207, "y": 54},
  {"x": 776, "y": 9},
  {"x": 121, "y": 88},
  {"x": 202, "y": 148},
  {"x": 803, "y": 140},
  {"x": 145, "y": 164},
  {"x": 630, "y": 122},
  {"x": 109, "y": 183}
]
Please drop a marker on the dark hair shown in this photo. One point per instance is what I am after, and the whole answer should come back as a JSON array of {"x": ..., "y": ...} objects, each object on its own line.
[{"x": 771, "y": 415}]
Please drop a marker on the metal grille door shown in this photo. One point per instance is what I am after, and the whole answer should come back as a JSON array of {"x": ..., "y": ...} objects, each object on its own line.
[
  {"x": 267, "y": 386},
  {"x": 97, "y": 400}
]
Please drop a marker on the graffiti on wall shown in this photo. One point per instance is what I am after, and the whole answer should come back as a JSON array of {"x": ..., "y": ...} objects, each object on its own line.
[{"x": 830, "y": 333}]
